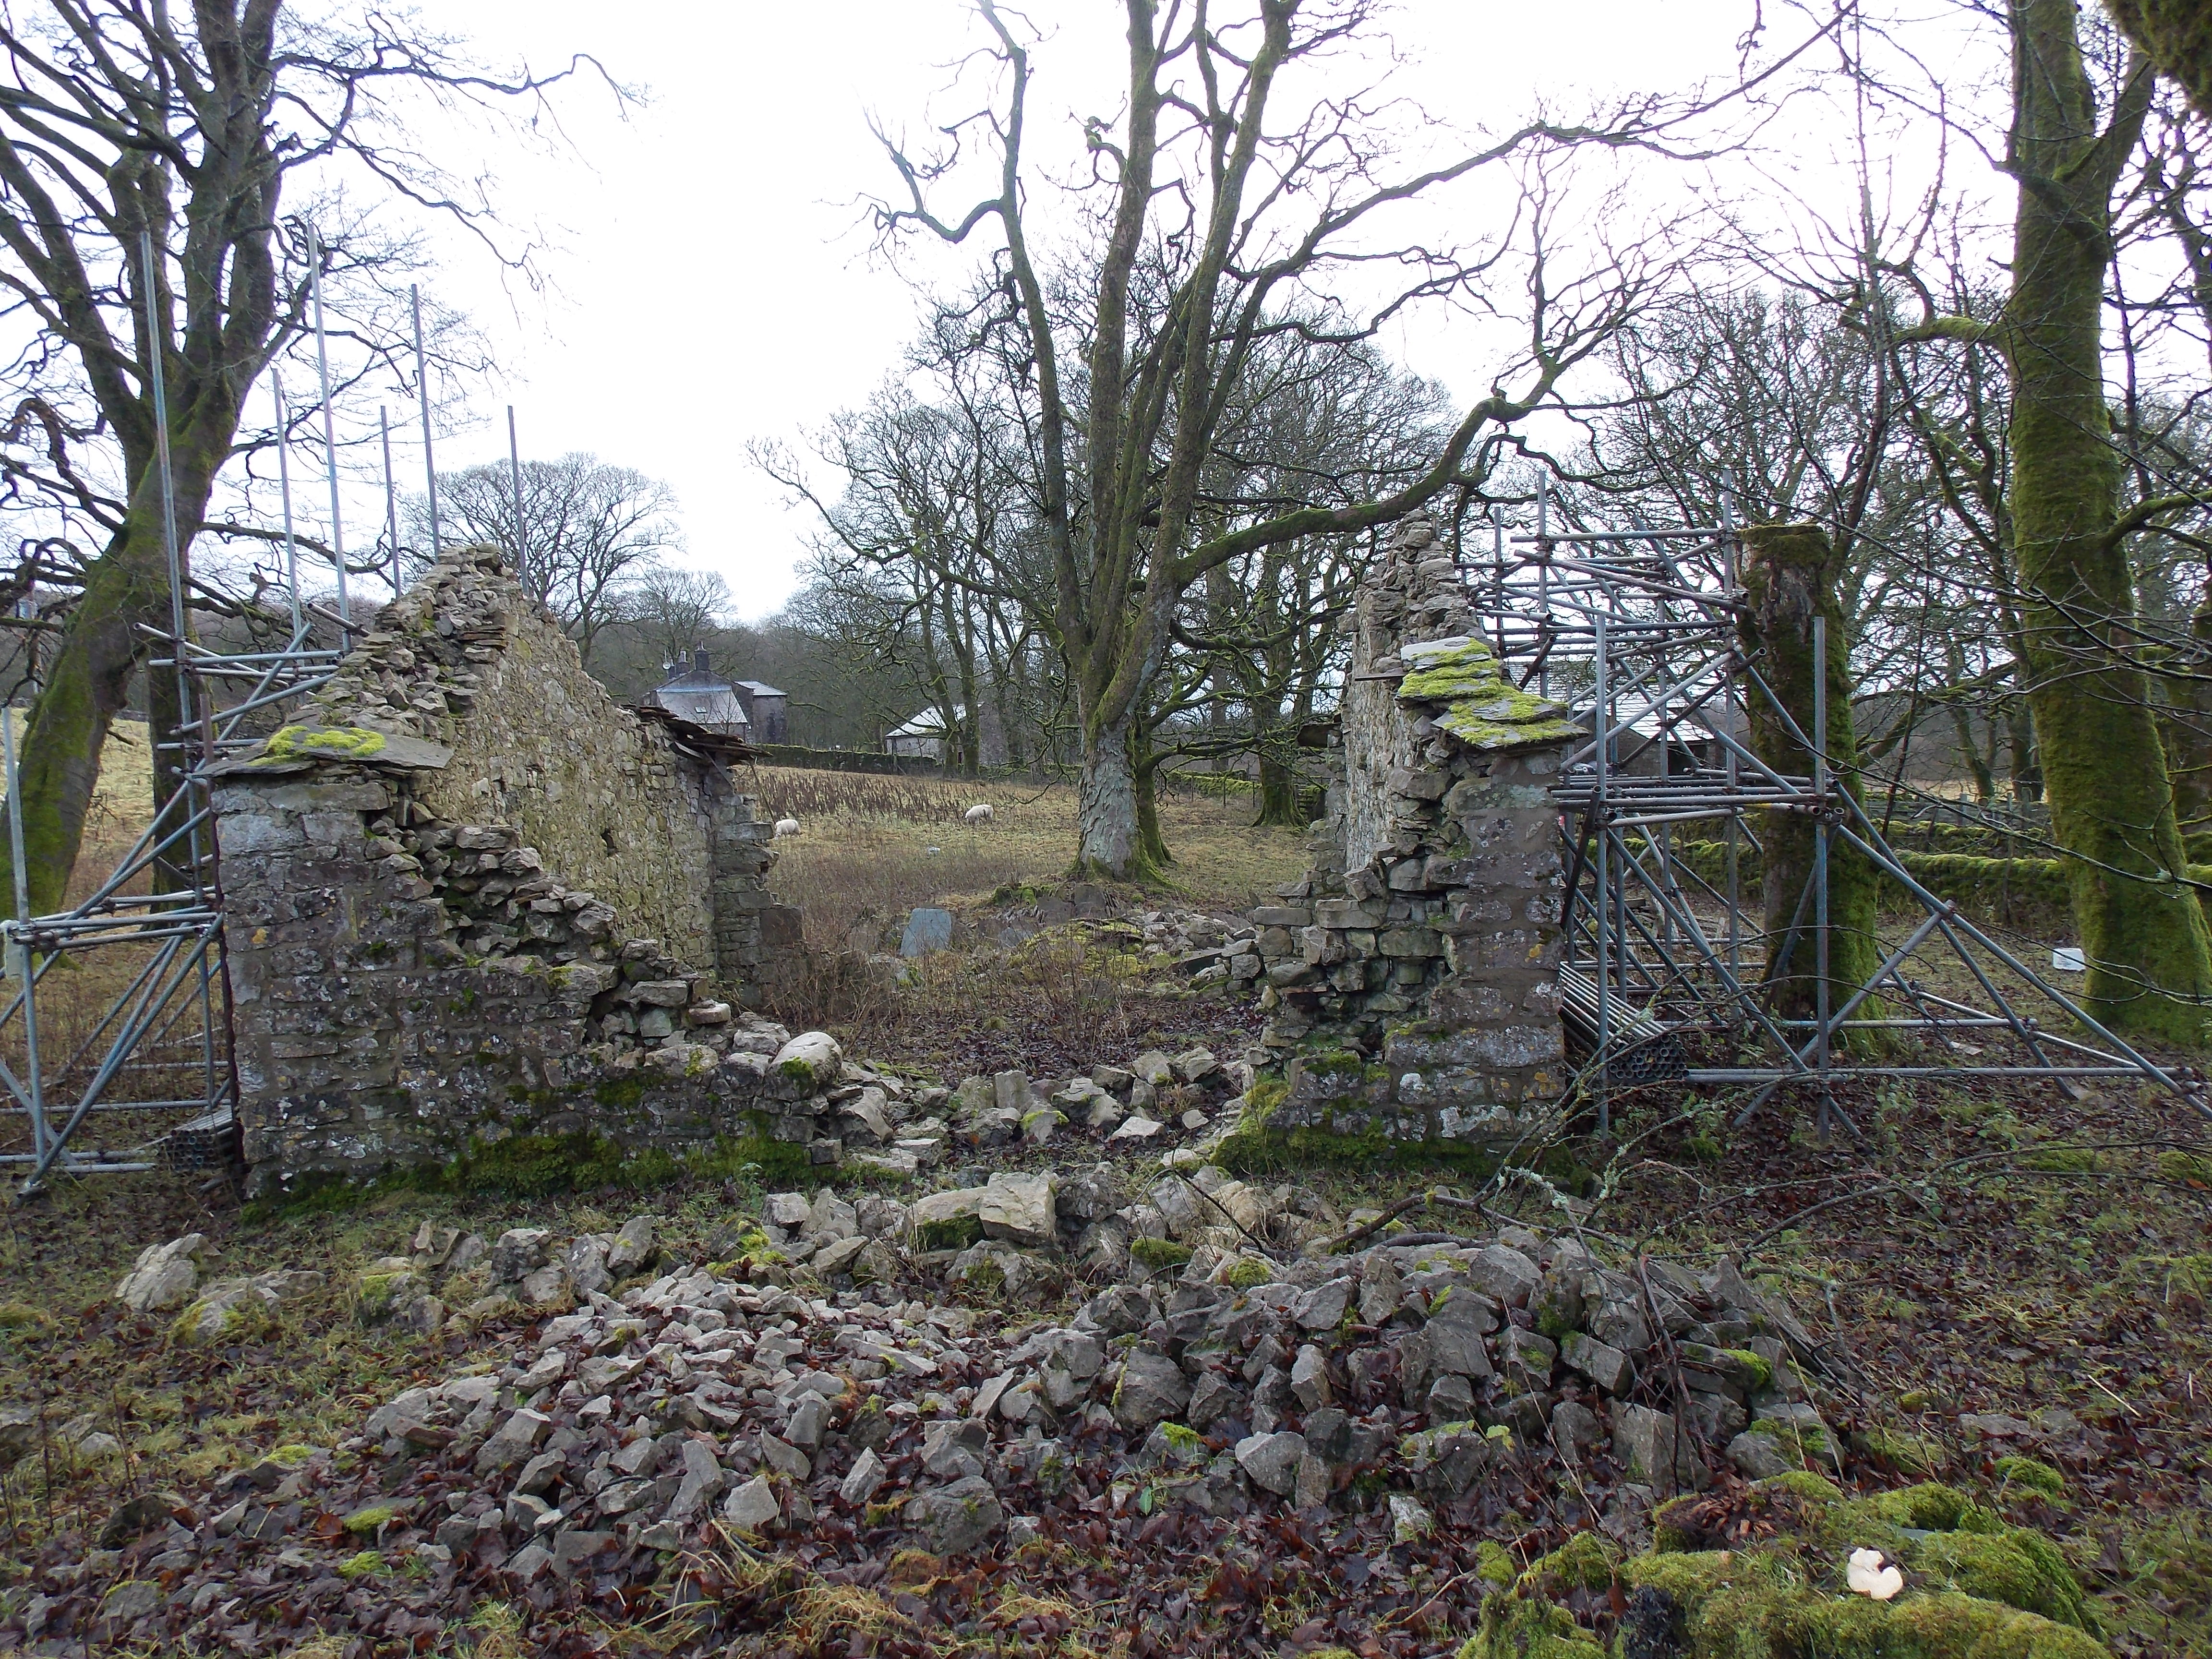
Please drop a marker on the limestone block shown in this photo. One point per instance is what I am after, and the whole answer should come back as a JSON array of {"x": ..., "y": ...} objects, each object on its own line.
[
  {"x": 1020, "y": 1209},
  {"x": 810, "y": 1062}
]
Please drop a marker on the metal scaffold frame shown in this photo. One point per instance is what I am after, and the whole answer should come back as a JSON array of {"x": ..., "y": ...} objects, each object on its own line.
[
  {"x": 1662, "y": 977},
  {"x": 176, "y": 995}
]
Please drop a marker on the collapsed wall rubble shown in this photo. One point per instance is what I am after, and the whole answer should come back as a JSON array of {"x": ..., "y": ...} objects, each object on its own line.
[
  {"x": 808, "y": 1390},
  {"x": 471, "y": 897},
  {"x": 1412, "y": 977}
]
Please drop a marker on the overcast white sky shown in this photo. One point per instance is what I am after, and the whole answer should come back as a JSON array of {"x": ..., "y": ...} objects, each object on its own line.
[{"x": 717, "y": 284}]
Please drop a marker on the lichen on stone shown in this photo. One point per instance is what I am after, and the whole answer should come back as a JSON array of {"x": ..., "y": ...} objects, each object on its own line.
[
  {"x": 321, "y": 742},
  {"x": 1445, "y": 669},
  {"x": 1465, "y": 721}
]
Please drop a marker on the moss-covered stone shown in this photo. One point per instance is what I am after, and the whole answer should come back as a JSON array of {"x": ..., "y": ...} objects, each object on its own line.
[
  {"x": 1906, "y": 1452},
  {"x": 1249, "y": 1271},
  {"x": 1446, "y": 669},
  {"x": 1759, "y": 1373},
  {"x": 1159, "y": 1254},
  {"x": 1767, "y": 1603},
  {"x": 2017, "y": 1471},
  {"x": 1493, "y": 1565},
  {"x": 1466, "y": 722},
  {"x": 378, "y": 1293},
  {"x": 321, "y": 742},
  {"x": 1974, "y": 1588},
  {"x": 2019, "y": 1568},
  {"x": 1586, "y": 1561},
  {"x": 1805, "y": 1485},
  {"x": 1515, "y": 1626}
]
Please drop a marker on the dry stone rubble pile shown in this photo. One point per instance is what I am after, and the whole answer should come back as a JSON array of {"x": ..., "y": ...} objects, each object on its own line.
[{"x": 803, "y": 1386}]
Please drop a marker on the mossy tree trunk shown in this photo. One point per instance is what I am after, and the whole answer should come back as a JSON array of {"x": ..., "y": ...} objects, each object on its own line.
[
  {"x": 2188, "y": 731},
  {"x": 1280, "y": 789},
  {"x": 2177, "y": 36},
  {"x": 1789, "y": 579},
  {"x": 2104, "y": 770},
  {"x": 102, "y": 645},
  {"x": 1151, "y": 843}
]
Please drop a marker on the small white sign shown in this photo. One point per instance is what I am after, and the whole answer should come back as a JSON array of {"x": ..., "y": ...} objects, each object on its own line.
[{"x": 2069, "y": 959}]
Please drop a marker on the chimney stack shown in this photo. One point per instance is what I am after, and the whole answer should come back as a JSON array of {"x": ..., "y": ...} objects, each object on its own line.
[{"x": 699, "y": 662}]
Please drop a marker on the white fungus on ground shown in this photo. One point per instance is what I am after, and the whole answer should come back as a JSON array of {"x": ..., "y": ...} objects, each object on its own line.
[{"x": 1867, "y": 1574}]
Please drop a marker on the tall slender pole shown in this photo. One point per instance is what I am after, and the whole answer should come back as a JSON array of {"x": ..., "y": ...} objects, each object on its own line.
[
  {"x": 390, "y": 500},
  {"x": 329, "y": 426},
  {"x": 284, "y": 488},
  {"x": 19, "y": 953},
  {"x": 1820, "y": 859},
  {"x": 1603, "y": 916},
  {"x": 157, "y": 338},
  {"x": 514, "y": 476},
  {"x": 1497, "y": 578},
  {"x": 1731, "y": 703},
  {"x": 1543, "y": 588},
  {"x": 156, "y": 352},
  {"x": 422, "y": 394}
]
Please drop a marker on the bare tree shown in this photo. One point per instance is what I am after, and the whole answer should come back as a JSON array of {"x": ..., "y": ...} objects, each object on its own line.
[
  {"x": 121, "y": 122},
  {"x": 589, "y": 530},
  {"x": 679, "y": 611},
  {"x": 1221, "y": 218}
]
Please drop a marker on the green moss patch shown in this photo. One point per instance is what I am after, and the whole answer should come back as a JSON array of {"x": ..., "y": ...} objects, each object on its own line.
[
  {"x": 322, "y": 743},
  {"x": 1159, "y": 1254},
  {"x": 1249, "y": 1271},
  {"x": 2026, "y": 1472},
  {"x": 953, "y": 1232},
  {"x": 1975, "y": 1589}
]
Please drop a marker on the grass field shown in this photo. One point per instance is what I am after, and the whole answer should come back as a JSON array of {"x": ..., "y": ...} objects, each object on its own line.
[{"x": 879, "y": 845}]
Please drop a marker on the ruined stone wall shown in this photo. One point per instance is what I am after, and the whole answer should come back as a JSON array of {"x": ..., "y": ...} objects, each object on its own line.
[
  {"x": 414, "y": 973},
  {"x": 467, "y": 660},
  {"x": 1412, "y": 977}
]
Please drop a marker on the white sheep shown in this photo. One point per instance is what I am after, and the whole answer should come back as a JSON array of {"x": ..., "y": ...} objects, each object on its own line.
[
  {"x": 785, "y": 827},
  {"x": 979, "y": 813}
]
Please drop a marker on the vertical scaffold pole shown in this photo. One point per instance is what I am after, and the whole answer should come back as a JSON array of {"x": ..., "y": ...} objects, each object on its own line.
[
  {"x": 423, "y": 397},
  {"x": 1731, "y": 711},
  {"x": 172, "y": 545},
  {"x": 284, "y": 490},
  {"x": 329, "y": 426},
  {"x": 515, "y": 477},
  {"x": 1602, "y": 911},
  {"x": 1821, "y": 862},
  {"x": 1544, "y": 590},
  {"x": 391, "y": 497},
  {"x": 18, "y": 951},
  {"x": 1498, "y": 579}
]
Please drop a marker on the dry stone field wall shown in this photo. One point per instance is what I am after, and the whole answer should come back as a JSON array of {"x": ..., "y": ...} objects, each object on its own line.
[
  {"x": 473, "y": 897},
  {"x": 1412, "y": 977}
]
